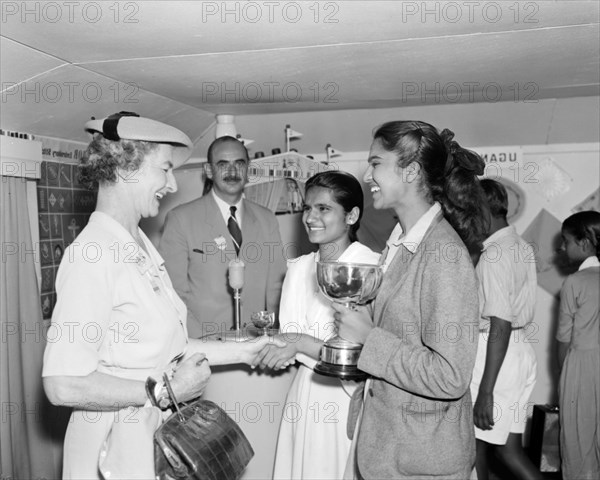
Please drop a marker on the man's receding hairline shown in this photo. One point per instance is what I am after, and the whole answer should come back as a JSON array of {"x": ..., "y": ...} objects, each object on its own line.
[{"x": 221, "y": 141}]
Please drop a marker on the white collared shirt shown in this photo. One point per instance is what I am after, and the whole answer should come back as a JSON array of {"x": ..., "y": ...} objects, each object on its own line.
[
  {"x": 507, "y": 279},
  {"x": 589, "y": 262},
  {"x": 224, "y": 208},
  {"x": 413, "y": 237}
]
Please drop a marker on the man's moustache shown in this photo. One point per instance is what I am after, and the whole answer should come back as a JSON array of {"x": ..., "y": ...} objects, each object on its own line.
[{"x": 231, "y": 179}]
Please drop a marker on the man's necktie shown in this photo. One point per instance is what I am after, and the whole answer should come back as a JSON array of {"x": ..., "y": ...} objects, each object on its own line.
[{"x": 234, "y": 230}]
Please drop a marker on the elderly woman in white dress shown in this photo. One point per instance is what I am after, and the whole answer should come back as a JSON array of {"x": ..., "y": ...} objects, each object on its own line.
[{"x": 117, "y": 320}]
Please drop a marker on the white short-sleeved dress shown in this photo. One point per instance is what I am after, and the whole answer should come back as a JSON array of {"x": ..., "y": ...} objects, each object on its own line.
[
  {"x": 313, "y": 443},
  {"x": 579, "y": 387},
  {"x": 116, "y": 313}
]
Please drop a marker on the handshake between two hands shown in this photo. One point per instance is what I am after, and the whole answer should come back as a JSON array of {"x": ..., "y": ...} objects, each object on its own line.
[
  {"x": 274, "y": 352},
  {"x": 279, "y": 351},
  {"x": 193, "y": 371}
]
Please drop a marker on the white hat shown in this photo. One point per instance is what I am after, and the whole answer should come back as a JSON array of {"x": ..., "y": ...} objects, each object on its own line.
[{"x": 131, "y": 126}]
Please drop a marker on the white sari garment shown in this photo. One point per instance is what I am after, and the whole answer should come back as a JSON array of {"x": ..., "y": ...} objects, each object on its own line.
[{"x": 312, "y": 442}]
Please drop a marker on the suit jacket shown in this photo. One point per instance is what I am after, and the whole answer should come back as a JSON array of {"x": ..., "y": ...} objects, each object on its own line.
[
  {"x": 197, "y": 249},
  {"x": 417, "y": 419}
]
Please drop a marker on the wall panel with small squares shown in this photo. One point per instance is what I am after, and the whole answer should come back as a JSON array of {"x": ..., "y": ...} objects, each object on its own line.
[{"x": 64, "y": 207}]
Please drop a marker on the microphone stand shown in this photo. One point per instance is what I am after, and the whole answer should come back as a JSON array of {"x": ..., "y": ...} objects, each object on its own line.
[
  {"x": 236, "y": 282},
  {"x": 237, "y": 297}
]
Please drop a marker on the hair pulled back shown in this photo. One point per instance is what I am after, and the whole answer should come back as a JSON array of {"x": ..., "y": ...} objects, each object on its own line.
[
  {"x": 496, "y": 197},
  {"x": 585, "y": 224},
  {"x": 448, "y": 174},
  {"x": 346, "y": 191}
]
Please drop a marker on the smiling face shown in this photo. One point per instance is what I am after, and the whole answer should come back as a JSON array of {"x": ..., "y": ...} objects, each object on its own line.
[
  {"x": 326, "y": 222},
  {"x": 228, "y": 169},
  {"x": 152, "y": 181},
  {"x": 388, "y": 182}
]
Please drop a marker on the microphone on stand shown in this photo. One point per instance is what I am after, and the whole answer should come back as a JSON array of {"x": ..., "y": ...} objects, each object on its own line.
[{"x": 236, "y": 282}]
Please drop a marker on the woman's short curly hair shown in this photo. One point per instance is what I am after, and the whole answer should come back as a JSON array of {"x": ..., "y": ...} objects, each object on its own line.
[{"x": 103, "y": 157}]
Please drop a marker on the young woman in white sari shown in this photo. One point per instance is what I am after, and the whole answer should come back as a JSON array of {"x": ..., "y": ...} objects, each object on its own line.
[{"x": 313, "y": 443}]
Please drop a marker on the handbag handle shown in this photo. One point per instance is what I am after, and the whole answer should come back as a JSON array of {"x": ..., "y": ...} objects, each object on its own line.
[{"x": 173, "y": 398}]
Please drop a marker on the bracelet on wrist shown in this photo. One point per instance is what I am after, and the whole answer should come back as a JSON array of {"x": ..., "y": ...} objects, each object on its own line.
[
  {"x": 157, "y": 394},
  {"x": 162, "y": 397}
]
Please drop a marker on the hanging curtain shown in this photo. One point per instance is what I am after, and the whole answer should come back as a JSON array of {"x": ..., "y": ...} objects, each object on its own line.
[{"x": 31, "y": 430}]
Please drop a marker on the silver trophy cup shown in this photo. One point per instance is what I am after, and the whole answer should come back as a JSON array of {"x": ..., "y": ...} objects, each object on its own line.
[{"x": 351, "y": 284}]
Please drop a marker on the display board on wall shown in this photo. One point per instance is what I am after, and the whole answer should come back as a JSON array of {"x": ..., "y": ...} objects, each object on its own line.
[{"x": 64, "y": 207}]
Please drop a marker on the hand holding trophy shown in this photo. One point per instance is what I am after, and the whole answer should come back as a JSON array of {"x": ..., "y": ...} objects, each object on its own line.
[{"x": 350, "y": 284}]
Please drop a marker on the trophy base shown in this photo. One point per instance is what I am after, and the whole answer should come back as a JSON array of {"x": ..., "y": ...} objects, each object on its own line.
[{"x": 344, "y": 372}]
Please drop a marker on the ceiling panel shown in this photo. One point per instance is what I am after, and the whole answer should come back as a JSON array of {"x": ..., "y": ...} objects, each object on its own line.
[
  {"x": 19, "y": 63},
  {"x": 125, "y": 30},
  {"x": 58, "y": 103},
  {"x": 185, "y": 61},
  {"x": 410, "y": 72}
]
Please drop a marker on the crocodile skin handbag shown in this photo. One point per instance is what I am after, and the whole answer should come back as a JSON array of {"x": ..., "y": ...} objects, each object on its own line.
[{"x": 199, "y": 441}]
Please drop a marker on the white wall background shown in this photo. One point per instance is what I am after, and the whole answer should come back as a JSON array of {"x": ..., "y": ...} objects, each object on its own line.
[{"x": 566, "y": 120}]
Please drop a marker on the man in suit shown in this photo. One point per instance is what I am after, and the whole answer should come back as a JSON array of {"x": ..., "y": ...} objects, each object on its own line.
[{"x": 198, "y": 245}]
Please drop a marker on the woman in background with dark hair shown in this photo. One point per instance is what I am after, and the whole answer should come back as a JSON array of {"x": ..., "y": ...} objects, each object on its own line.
[
  {"x": 578, "y": 338},
  {"x": 421, "y": 340},
  {"x": 313, "y": 443}
]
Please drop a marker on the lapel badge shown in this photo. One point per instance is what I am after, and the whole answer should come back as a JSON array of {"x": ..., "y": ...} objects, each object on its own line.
[{"x": 221, "y": 242}]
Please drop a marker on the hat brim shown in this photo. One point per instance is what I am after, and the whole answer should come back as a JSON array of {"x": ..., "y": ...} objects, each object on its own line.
[{"x": 140, "y": 128}]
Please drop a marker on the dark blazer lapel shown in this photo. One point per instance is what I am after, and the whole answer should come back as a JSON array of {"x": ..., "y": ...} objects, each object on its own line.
[{"x": 395, "y": 274}]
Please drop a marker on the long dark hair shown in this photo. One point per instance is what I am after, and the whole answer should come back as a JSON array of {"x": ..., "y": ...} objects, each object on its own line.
[
  {"x": 585, "y": 224},
  {"x": 449, "y": 175},
  {"x": 346, "y": 191},
  {"x": 496, "y": 197}
]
